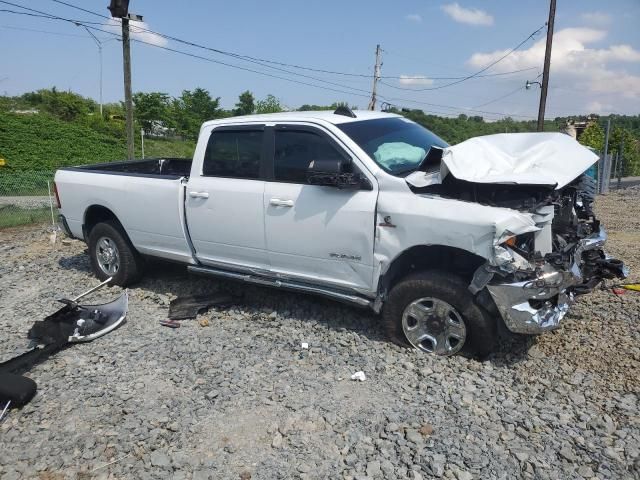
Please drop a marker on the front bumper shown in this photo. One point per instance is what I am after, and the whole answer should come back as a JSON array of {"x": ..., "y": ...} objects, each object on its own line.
[{"x": 538, "y": 304}]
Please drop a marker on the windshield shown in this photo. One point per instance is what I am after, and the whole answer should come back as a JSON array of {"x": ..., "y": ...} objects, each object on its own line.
[{"x": 398, "y": 145}]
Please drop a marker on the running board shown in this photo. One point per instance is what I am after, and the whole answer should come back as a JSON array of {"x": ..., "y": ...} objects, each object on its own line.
[{"x": 286, "y": 284}]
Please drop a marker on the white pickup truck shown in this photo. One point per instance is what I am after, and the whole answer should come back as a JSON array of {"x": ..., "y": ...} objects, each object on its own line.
[{"x": 369, "y": 208}]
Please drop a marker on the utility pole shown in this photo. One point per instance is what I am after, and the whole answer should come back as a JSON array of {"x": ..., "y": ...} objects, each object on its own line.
[
  {"x": 376, "y": 78},
  {"x": 120, "y": 9},
  {"x": 547, "y": 65},
  {"x": 128, "y": 104}
]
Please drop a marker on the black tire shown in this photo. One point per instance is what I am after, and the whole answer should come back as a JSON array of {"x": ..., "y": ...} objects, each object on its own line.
[
  {"x": 130, "y": 263},
  {"x": 481, "y": 329}
]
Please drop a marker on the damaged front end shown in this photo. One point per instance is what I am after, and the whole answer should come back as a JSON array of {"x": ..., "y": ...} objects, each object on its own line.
[
  {"x": 552, "y": 248},
  {"x": 534, "y": 278}
]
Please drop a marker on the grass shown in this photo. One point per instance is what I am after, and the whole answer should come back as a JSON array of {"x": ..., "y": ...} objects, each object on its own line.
[
  {"x": 24, "y": 183},
  {"x": 40, "y": 142},
  {"x": 12, "y": 216},
  {"x": 156, "y": 147}
]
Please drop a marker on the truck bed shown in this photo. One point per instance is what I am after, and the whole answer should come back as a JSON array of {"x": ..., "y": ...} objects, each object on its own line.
[
  {"x": 146, "y": 196},
  {"x": 150, "y": 167}
]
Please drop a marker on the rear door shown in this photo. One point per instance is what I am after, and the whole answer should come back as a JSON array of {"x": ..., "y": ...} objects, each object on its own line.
[
  {"x": 224, "y": 201},
  {"x": 316, "y": 233}
]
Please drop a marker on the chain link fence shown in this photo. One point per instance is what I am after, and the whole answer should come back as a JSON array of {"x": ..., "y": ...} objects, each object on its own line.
[{"x": 24, "y": 197}]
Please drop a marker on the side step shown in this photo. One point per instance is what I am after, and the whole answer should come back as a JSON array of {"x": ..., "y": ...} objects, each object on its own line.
[{"x": 286, "y": 284}]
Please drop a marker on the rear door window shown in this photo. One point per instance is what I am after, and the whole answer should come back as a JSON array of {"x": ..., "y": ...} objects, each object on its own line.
[{"x": 234, "y": 153}]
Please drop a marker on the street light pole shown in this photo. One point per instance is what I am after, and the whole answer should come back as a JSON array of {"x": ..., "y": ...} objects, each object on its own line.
[{"x": 99, "y": 44}]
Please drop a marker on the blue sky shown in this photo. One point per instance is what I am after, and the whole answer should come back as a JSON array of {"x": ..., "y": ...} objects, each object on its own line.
[{"x": 595, "y": 68}]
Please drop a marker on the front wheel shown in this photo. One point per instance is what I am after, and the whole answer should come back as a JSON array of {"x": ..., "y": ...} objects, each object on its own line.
[
  {"x": 112, "y": 255},
  {"x": 434, "y": 312}
]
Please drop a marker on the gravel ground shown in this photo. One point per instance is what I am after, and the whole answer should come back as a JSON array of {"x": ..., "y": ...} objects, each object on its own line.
[
  {"x": 239, "y": 398},
  {"x": 25, "y": 201}
]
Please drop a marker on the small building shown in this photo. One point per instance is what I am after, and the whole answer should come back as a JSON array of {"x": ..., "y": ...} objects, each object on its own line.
[{"x": 574, "y": 128}]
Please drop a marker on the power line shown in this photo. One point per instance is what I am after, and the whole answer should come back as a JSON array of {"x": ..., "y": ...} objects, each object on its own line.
[
  {"x": 258, "y": 59},
  {"x": 305, "y": 83},
  {"x": 312, "y": 85},
  {"x": 290, "y": 65},
  {"x": 501, "y": 97},
  {"x": 77, "y": 22},
  {"x": 239, "y": 67},
  {"x": 39, "y": 13},
  {"x": 43, "y": 31},
  {"x": 468, "y": 77},
  {"x": 50, "y": 17},
  {"x": 136, "y": 29},
  {"x": 247, "y": 69},
  {"x": 463, "y": 109},
  {"x": 139, "y": 29},
  {"x": 424, "y": 77},
  {"x": 81, "y": 9}
]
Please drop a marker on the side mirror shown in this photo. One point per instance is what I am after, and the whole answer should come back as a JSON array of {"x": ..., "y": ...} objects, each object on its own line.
[
  {"x": 335, "y": 173},
  {"x": 327, "y": 166}
]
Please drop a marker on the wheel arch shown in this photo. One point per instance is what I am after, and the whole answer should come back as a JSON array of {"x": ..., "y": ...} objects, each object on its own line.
[
  {"x": 95, "y": 214},
  {"x": 430, "y": 257}
]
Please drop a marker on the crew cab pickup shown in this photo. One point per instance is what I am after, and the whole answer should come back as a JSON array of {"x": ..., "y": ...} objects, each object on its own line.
[{"x": 448, "y": 243}]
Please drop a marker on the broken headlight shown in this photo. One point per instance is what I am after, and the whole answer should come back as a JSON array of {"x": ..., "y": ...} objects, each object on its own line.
[
  {"x": 513, "y": 251},
  {"x": 524, "y": 244}
]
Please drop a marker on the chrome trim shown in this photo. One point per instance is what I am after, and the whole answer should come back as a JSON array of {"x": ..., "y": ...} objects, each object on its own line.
[
  {"x": 286, "y": 284},
  {"x": 549, "y": 287},
  {"x": 514, "y": 304}
]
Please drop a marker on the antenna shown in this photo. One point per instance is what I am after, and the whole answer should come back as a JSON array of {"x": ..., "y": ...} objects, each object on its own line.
[{"x": 344, "y": 110}]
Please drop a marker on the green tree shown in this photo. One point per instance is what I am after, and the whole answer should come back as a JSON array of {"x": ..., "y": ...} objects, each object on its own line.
[
  {"x": 306, "y": 107},
  {"x": 151, "y": 107},
  {"x": 246, "y": 104},
  {"x": 192, "y": 109},
  {"x": 64, "y": 105},
  {"x": 269, "y": 105},
  {"x": 622, "y": 142},
  {"x": 593, "y": 136}
]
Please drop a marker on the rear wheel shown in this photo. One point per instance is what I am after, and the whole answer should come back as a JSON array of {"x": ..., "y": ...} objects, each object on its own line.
[
  {"x": 112, "y": 255},
  {"x": 434, "y": 312}
]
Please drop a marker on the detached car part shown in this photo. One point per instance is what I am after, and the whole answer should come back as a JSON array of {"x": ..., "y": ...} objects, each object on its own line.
[
  {"x": 73, "y": 323},
  {"x": 15, "y": 391}
]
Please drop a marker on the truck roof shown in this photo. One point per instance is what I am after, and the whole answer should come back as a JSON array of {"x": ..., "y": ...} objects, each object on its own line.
[{"x": 326, "y": 115}]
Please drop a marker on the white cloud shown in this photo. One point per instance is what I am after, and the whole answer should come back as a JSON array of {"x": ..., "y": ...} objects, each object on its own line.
[
  {"x": 471, "y": 16},
  {"x": 137, "y": 31},
  {"x": 598, "y": 107},
  {"x": 596, "y": 18},
  {"x": 595, "y": 74},
  {"x": 414, "y": 17},
  {"x": 415, "y": 80}
]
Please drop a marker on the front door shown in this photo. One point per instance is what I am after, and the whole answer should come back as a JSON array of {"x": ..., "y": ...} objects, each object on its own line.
[
  {"x": 224, "y": 202},
  {"x": 316, "y": 233}
]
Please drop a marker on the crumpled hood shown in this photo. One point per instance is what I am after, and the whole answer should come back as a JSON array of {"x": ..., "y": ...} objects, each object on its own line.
[{"x": 550, "y": 159}]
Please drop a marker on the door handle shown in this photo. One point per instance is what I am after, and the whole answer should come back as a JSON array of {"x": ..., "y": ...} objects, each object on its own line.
[
  {"x": 198, "y": 194},
  {"x": 276, "y": 202}
]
